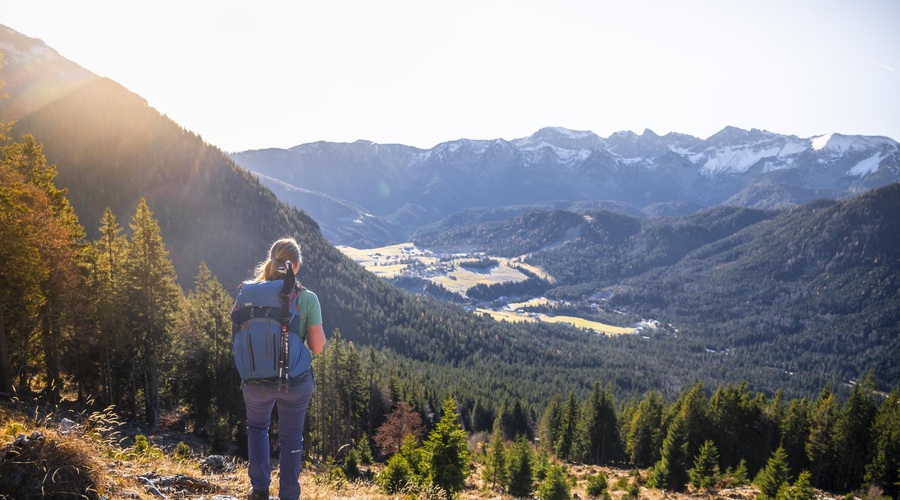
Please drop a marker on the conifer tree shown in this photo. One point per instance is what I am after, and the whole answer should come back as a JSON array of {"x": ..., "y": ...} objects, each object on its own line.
[
  {"x": 58, "y": 244},
  {"x": 853, "y": 432},
  {"x": 795, "y": 434},
  {"x": 883, "y": 470},
  {"x": 775, "y": 474},
  {"x": 447, "y": 453},
  {"x": 23, "y": 209},
  {"x": 106, "y": 288},
  {"x": 364, "y": 450},
  {"x": 551, "y": 422},
  {"x": 515, "y": 421},
  {"x": 568, "y": 427},
  {"x": 554, "y": 486},
  {"x": 495, "y": 468},
  {"x": 597, "y": 434},
  {"x": 802, "y": 489},
  {"x": 740, "y": 476},
  {"x": 705, "y": 472},
  {"x": 820, "y": 445},
  {"x": 693, "y": 408},
  {"x": 671, "y": 471},
  {"x": 644, "y": 431},
  {"x": 520, "y": 474},
  {"x": 153, "y": 297},
  {"x": 396, "y": 475},
  {"x": 210, "y": 381}
]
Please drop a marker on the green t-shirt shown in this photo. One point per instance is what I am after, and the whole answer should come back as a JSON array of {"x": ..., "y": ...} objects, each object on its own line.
[{"x": 311, "y": 310}]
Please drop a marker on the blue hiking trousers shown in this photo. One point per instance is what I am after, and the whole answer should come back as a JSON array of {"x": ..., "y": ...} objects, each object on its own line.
[{"x": 292, "y": 403}]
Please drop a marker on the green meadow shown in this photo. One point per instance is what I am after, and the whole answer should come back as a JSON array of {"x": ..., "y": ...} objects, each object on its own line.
[{"x": 452, "y": 273}]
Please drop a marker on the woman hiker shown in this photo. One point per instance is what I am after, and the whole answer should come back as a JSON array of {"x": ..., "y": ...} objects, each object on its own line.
[{"x": 292, "y": 397}]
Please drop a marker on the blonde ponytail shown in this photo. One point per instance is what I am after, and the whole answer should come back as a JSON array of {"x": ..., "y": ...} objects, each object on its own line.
[{"x": 283, "y": 250}]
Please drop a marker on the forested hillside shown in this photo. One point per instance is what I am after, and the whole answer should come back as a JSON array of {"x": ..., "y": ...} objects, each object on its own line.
[{"x": 806, "y": 290}]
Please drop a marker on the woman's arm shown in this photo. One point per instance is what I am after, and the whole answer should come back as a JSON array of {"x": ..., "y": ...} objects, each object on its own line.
[{"x": 315, "y": 338}]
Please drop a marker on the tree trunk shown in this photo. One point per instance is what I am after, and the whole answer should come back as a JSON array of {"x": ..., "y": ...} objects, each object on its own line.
[
  {"x": 5, "y": 372},
  {"x": 51, "y": 355},
  {"x": 151, "y": 396}
]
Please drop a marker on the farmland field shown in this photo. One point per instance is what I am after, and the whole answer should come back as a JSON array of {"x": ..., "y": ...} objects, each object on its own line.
[{"x": 459, "y": 273}]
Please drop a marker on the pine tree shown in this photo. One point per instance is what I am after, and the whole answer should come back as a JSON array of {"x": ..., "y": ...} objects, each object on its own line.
[
  {"x": 397, "y": 474},
  {"x": 554, "y": 486},
  {"x": 820, "y": 446},
  {"x": 693, "y": 408},
  {"x": 740, "y": 476},
  {"x": 106, "y": 288},
  {"x": 644, "y": 431},
  {"x": 883, "y": 470},
  {"x": 23, "y": 209},
  {"x": 495, "y": 468},
  {"x": 853, "y": 430},
  {"x": 209, "y": 382},
  {"x": 447, "y": 453},
  {"x": 597, "y": 433},
  {"x": 775, "y": 474},
  {"x": 515, "y": 421},
  {"x": 364, "y": 449},
  {"x": 705, "y": 472},
  {"x": 520, "y": 470},
  {"x": 802, "y": 489},
  {"x": 338, "y": 409},
  {"x": 551, "y": 422},
  {"x": 42, "y": 221},
  {"x": 153, "y": 297},
  {"x": 795, "y": 434},
  {"x": 568, "y": 426},
  {"x": 671, "y": 471},
  {"x": 597, "y": 485}
]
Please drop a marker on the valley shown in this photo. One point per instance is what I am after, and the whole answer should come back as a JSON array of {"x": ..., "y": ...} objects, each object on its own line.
[{"x": 458, "y": 273}]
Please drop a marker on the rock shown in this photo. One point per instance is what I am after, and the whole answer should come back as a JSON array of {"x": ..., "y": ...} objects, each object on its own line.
[
  {"x": 217, "y": 464},
  {"x": 66, "y": 426}
]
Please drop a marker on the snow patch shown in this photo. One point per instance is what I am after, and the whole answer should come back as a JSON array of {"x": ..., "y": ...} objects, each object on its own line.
[
  {"x": 793, "y": 148},
  {"x": 565, "y": 155},
  {"x": 734, "y": 160},
  {"x": 867, "y": 166},
  {"x": 819, "y": 143},
  {"x": 572, "y": 134}
]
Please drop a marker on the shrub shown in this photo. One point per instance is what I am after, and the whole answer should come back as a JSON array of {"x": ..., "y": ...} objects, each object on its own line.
[
  {"x": 597, "y": 485},
  {"x": 140, "y": 449},
  {"x": 555, "y": 486},
  {"x": 351, "y": 465},
  {"x": 182, "y": 452},
  {"x": 219, "y": 435},
  {"x": 396, "y": 475}
]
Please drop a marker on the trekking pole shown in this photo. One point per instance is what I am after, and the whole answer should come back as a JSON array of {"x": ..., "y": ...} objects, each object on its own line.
[{"x": 286, "y": 289}]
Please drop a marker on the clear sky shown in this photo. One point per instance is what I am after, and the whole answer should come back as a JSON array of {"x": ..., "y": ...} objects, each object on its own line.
[{"x": 251, "y": 75}]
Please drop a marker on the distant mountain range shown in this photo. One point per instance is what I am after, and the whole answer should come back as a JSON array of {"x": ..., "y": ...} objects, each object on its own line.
[{"x": 367, "y": 194}]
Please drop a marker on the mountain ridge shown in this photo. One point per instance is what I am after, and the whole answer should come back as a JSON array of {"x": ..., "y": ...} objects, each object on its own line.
[{"x": 753, "y": 168}]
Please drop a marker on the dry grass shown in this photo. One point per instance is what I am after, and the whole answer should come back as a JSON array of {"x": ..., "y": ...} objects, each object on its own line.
[{"x": 87, "y": 462}]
